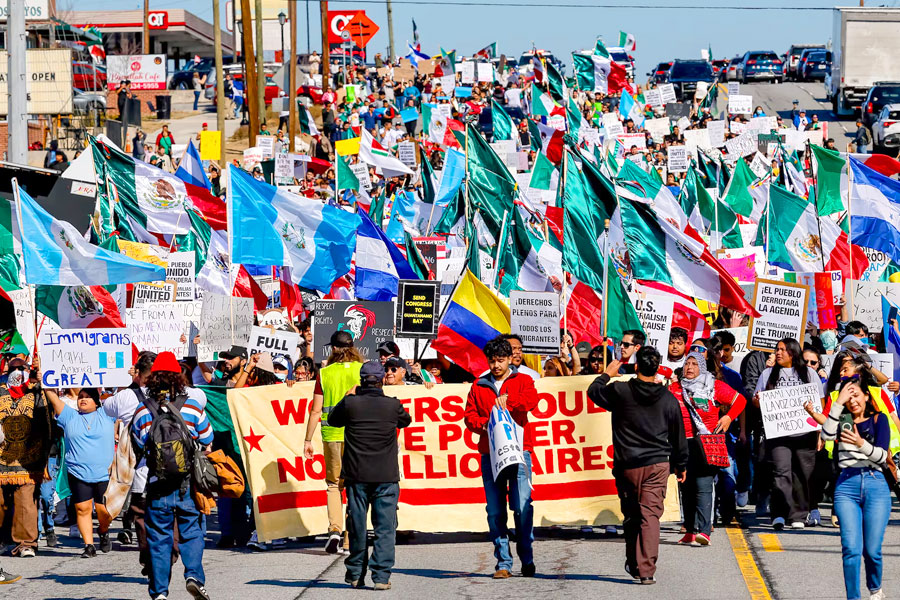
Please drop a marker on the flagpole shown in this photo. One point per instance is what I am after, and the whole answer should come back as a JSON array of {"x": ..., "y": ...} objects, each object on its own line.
[
  {"x": 229, "y": 221},
  {"x": 31, "y": 295},
  {"x": 605, "y": 307},
  {"x": 850, "y": 231},
  {"x": 500, "y": 243},
  {"x": 816, "y": 206}
]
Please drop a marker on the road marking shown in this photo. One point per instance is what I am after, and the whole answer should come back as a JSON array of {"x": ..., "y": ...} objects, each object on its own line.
[
  {"x": 770, "y": 542},
  {"x": 749, "y": 569}
]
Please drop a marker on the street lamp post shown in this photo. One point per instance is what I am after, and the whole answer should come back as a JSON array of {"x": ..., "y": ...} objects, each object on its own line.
[{"x": 282, "y": 19}]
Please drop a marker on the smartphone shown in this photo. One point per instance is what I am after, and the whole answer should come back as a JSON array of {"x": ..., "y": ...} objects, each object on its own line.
[{"x": 845, "y": 422}]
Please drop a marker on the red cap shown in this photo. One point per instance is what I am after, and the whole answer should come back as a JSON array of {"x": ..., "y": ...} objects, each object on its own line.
[
  {"x": 205, "y": 125},
  {"x": 166, "y": 361}
]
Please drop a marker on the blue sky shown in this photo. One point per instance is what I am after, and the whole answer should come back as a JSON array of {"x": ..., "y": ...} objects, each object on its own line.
[{"x": 662, "y": 34}]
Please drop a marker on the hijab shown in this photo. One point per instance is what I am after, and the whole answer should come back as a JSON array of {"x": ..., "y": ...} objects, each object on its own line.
[{"x": 703, "y": 385}]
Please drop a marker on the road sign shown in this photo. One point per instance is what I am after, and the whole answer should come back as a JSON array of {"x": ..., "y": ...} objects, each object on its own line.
[{"x": 361, "y": 29}]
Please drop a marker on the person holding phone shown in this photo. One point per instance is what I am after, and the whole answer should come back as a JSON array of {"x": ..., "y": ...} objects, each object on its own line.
[{"x": 862, "y": 497}]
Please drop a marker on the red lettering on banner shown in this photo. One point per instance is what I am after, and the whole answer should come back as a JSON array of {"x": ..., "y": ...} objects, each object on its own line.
[
  {"x": 466, "y": 468},
  {"x": 414, "y": 438},
  {"x": 593, "y": 458},
  {"x": 568, "y": 457},
  {"x": 609, "y": 455},
  {"x": 427, "y": 406},
  {"x": 454, "y": 408},
  {"x": 563, "y": 432},
  {"x": 447, "y": 433},
  {"x": 541, "y": 437},
  {"x": 565, "y": 410},
  {"x": 430, "y": 473},
  {"x": 301, "y": 468},
  {"x": 407, "y": 468},
  {"x": 550, "y": 409},
  {"x": 289, "y": 412}
]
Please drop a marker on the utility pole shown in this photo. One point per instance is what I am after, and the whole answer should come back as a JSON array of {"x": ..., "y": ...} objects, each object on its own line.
[
  {"x": 307, "y": 28},
  {"x": 250, "y": 68},
  {"x": 220, "y": 78},
  {"x": 390, "y": 16},
  {"x": 292, "y": 74},
  {"x": 260, "y": 69},
  {"x": 326, "y": 54},
  {"x": 145, "y": 38},
  {"x": 17, "y": 119}
]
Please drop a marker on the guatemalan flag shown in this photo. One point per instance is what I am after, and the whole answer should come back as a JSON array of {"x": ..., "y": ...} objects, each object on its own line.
[
  {"x": 874, "y": 210},
  {"x": 630, "y": 109},
  {"x": 269, "y": 226},
  {"x": 191, "y": 168},
  {"x": 379, "y": 263},
  {"x": 55, "y": 253}
]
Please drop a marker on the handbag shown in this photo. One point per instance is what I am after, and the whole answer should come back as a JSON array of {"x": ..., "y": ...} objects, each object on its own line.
[{"x": 712, "y": 445}]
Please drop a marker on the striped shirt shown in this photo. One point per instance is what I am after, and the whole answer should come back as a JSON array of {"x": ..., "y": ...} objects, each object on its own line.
[
  {"x": 876, "y": 435},
  {"x": 193, "y": 414}
]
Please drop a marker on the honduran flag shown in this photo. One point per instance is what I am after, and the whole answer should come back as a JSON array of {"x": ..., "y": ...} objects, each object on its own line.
[
  {"x": 190, "y": 170},
  {"x": 874, "y": 210},
  {"x": 473, "y": 317},
  {"x": 379, "y": 263}
]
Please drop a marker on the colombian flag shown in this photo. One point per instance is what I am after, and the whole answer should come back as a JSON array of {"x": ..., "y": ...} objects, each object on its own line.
[{"x": 473, "y": 317}]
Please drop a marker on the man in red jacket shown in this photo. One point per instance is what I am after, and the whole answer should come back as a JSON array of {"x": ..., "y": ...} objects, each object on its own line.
[{"x": 503, "y": 386}]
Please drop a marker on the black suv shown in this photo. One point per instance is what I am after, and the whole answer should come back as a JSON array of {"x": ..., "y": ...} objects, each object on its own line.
[
  {"x": 880, "y": 94},
  {"x": 684, "y": 75}
]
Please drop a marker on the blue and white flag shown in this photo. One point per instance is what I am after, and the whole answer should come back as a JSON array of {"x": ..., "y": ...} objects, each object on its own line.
[
  {"x": 56, "y": 254},
  {"x": 415, "y": 55},
  {"x": 404, "y": 214},
  {"x": 379, "y": 263},
  {"x": 875, "y": 214},
  {"x": 451, "y": 177},
  {"x": 191, "y": 168},
  {"x": 889, "y": 312},
  {"x": 269, "y": 226},
  {"x": 630, "y": 109}
]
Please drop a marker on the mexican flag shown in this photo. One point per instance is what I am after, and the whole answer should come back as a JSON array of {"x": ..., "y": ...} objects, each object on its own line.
[
  {"x": 504, "y": 128},
  {"x": 550, "y": 140},
  {"x": 628, "y": 43},
  {"x": 737, "y": 194},
  {"x": 709, "y": 214},
  {"x": 78, "y": 306},
  {"x": 488, "y": 52},
  {"x": 370, "y": 151},
  {"x": 529, "y": 262},
  {"x": 307, "y": 123},
  {"x": 346, "y": 178},
  {"x": 615, "y": 74}
]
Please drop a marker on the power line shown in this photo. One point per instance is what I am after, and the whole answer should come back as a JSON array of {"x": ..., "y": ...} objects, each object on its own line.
[{"x": 595, "y": 6}]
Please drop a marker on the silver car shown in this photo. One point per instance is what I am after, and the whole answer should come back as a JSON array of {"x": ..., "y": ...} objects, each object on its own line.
[{"x": 87, "y": 102}]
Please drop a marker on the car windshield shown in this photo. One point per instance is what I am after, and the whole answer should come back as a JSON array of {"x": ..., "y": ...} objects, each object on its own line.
[
  {"x": 886, "y": 95},
  {"x": 662, "y": 67},
  {"x": 689, "y": 70},
  {"x": 763, "y": 56},
  {"x": 816, "y": 56}
]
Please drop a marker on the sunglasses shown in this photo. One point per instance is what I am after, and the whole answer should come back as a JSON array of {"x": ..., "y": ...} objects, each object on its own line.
[
  {"x": 698, "y": 348},
  {"x": 811, "y": 362},
  {"x": 594, "y": 359},
  {"x": 627, "y": 344},
  {"x": 392, "y": 369},
  {"x": 19, "y": 368}
]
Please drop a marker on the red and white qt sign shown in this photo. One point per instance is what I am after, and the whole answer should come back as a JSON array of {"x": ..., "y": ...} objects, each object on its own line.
[
  {"x": 158, "y": 19},
  {"x": 337, "y": 20}
]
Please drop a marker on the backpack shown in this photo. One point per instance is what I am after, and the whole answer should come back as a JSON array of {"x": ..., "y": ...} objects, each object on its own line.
[
  {"x": 866, "y": 137},
  {"x": 169, "y": 449}
]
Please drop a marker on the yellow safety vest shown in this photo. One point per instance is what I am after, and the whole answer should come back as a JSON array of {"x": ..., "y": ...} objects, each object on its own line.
[{"x": 337, "y": 379}]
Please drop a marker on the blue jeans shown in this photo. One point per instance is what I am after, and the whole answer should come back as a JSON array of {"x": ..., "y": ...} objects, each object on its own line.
[
  {"x": 383, "y": 498},
  {"x": 196, "y": 99},
  {"x": 516, "y": 482},
  {"x": 47, "y": 507},
  {"x": 862, "y": 501},
  {"x": 862, "y": 148},
  {"x": 162, "y": 511}
]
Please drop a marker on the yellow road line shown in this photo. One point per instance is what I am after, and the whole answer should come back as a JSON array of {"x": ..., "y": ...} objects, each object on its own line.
[
  {"x": 770, "y": 542},
  {"x": 749, "y": 569}
]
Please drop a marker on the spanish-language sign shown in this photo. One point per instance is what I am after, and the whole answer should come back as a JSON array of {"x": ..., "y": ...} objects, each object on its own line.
[
  {"x": 418, "y": 305},
  {"x": 406, "y": 152},
  {"x": 180, "y": 269},
  {"x": 368, "y": 322},
  {"x": 782, "y": 308},
  {"x": 740, "y": 104},
  {"x": 678, "y": 159},
  {"x": 157, "y": 327},
  {"x": 441, "y": 484},
  {"x": 505, "y": 440},
  {"x": 361, "y": 170},
  {"x": 655, "y": 312},
  {"x": 783, "y": 413},
  {"x": 77, "y": 358},
  {"x": 534, "y": 317},
  {"x": 226, "y": 321},
  {"x": 163, "y": 291},
  {"x": 274, "y": 341}
]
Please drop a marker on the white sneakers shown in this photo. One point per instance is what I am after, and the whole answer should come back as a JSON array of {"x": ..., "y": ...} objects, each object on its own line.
[
  {"x": 255, "y": 544},
  {"x": 879, "y": 595},
  {"x": 797, "y": 525}
]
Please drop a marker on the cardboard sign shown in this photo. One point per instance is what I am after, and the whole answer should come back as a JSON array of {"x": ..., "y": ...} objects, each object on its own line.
[
  {"x": 180, "y": 270},
  {"x": 667, "y": 94},
  {"x": 158, "y": 327},
  {"x": 676, "y": 110},
  {"x": 612, "y": 125},
  {"x": 418, "y": 305},
  {"x": 163, "y": 291},
  {"x": 865, "y": 297},
  {"x": 274, "y": 341},
  {"x": 655, "y": 312},
  {"x": 361, "y": 170},
  {"x": 485, "y": 72},
  {"x": 467, "y": 71},
  {"x": 782, "y": 308},
  {"x": 740, "y": 104},
  {"x": 653, "y": 97},
  {"x": 284, "y": 165},
  {"x": 266, "y": 143},
  {"x": 211, "y": 145},
  {"x": 505, "y": 439},
  {"x": 716, "y": 132},
  {"x": 783, "y": 413},
  {"x": 226, "y": 321},
  {"x": 148, "y": 253},
  {"x": 678, "y": 161},
  {"x": 23, "y": 301},
  {"x": 406, "y": 152},
  {"x": 534, "y": 317},
  {"x": 77, "y": 358},
  {"x": 368, "y": 322},
  {"x": 252, "y": 157},
  {"x": 658, "y": 128}
]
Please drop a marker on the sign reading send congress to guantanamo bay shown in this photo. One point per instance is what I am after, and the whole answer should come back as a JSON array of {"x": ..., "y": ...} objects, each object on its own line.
[{"x": 440, "y": 488}]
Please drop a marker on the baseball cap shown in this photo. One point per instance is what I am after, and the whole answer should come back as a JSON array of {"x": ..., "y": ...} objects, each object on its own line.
[
  {"x": 583, "y": 349},
  {"x": 395, "y": 362},
  {"x": 341, "y": 339},
  {"x": 166, "y": 361},
  {"x": 281, "y": 361},
  {"x": 371, "y": 371},
  {"x": 234, "y": 352},
  {"x": 205, "y": 125},
  {"x": 389, "y": 347}
]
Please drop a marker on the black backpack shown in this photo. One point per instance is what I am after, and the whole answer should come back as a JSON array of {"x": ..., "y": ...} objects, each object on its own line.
[{"x": 169, "y": 448}]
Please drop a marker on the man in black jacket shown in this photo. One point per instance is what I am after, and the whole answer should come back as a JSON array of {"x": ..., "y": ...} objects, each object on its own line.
[
  {"x": 371, "y": 473},
  {"x": 648, "y": 436}
]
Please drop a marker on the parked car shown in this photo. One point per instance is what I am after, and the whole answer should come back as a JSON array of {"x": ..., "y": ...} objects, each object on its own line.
[
  {"x": 731, "y": 71},
  {"x": 886, "y": 129},
  {"x": 760, "y": 64},
  {"x": 792, "y": 59},
  {"x": 660, "y": 73},
  {"x": 182, "y": 80},
  {"x": 86, "y": 76},
  {"x": 685, "y": 74},
  {"x": 814, "y": 64},
  {"x": 879, "y": 95},
  {"x": 86, "y": 102}
]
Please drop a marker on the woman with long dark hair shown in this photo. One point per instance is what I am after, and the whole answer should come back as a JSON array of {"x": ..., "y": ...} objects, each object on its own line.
[{"x": 791, "y": 457}]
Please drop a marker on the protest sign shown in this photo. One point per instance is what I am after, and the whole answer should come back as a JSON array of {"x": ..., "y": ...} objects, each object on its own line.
[
  {"x": 441, "y": 484},
  {"x": 225, "y": 321},
  {"x": 346, "y": 147},
  {"x": 162, "y": 291},
  {"x": 782, "y": 308},
  {"x": 738, "y": 127},
  {"x": 404, "y": 73},
  {"x": 740, "y": 104},
  {"x": 653, "y": 97},
  {"x": 655, "y": 312},
  {"x": 210, "y": 145},
  {"x": 612, "y": 126},
  {"x": 252, "y": 157},
  {"x": 740, "y": 346},
  {"x": 865, "y": 298},
  {"x": 716, "y": 132},
  {"x": 658, "y": 128},
  {"x": 734, "y": 88},
  {"x": 418, "y": 305},
  {"x": 630, "y": 140},
  {"x": 742, "y": 145},
  {"x": 284, "y": 165},
  {"x": 758, "y": 165},
  {"x": 667, "y": 93},
  {"x": 742, "y": 268},
  {"x": 696, "y": 138},
  {"x": 369, "y": 322},
  {"x": 274, "y": 317},
  {"x": 180, "y": 269},
  {"x": 467, "y": 69},
  {"x": 878, "y": 264},
  {"x": 84, "y": 358},
  {"x": 433, "y": 250},
  {"x": 149, "y": 253},
  {"x": 485, "y": 72},
  {"x": 361, "y": 170},
  {"x": 676, "y": 110},
  {"x": 505, "y": 441},
  {"x": 677, "y": 159},
  {"x": 158, "y": 327},
  {"x": 409, "y": 114},
  {"x": 783, "y": 413},
  {"x": 191, "y": 311},
  {"x": 756, "y": 254},
  {"x": 274, "y": 341},
  {"x": 534, "y": 317},
  {"x": 266, "y": 143},
  {"x": 406, "y": 152},
  {"x": 23, "y": 301}
]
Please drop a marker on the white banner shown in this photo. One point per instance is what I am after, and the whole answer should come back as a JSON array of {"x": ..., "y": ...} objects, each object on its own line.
[
  {"x": 274, "y": 341},
  {"x": 77, "y": 358},
  {"x": 534, "y": 317},
  {"x": 226, "y": 321},
  {"x": 740, "y": 104},
  {"x": 158, "y": 327},
  {"x": 783, "y": 413},
  {"x": 145, "y": 72}
]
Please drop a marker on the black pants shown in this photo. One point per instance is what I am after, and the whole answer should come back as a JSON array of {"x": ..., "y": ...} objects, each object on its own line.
[
  {"x": 793, "y": 460},
  {"x": 382, "y": 498},
  {"x": 823, "y": 478}
]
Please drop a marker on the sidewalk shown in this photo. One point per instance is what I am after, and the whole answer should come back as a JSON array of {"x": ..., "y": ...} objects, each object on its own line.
[{"x": 186, "y": 127}]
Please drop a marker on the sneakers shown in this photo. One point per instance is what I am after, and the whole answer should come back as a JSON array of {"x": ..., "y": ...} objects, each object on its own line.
[
  {"x": 280, "y": 543},
  {"x": 380, "y": 587},
  {"x": 195, "y": 589},
  {"x": 879, "y": 595},
  {"x": 27, "y": 552},
  {"x": 741, "y": 499},
  {"x": 611, "y": 530},
  {"x": 634, "y": 576},
  {"x": 125, "y": 537},
  {"x": 814, "y": 518},
  {"x": 73, "y": 532},
  {"x": 255, "y": 544},
  {"x": 778, "y": 523},
  {"x": 688, "y": 539},
  {"x": 161, "y": 597},
  {"x": 648, "y": 580},
  {"x": 528, "y": 570},
  {"x": 797, "y": 525},
  {"x": 702, "y": 539},
  {"x": 52, "y": 540},
  {"x": 7, "y": 577},
  {"x": 501, "y": 574},
  {"x": 105, "y": 543},
  {"x": 89, "y": 551},
  {"x": 333, "y": 543}
]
